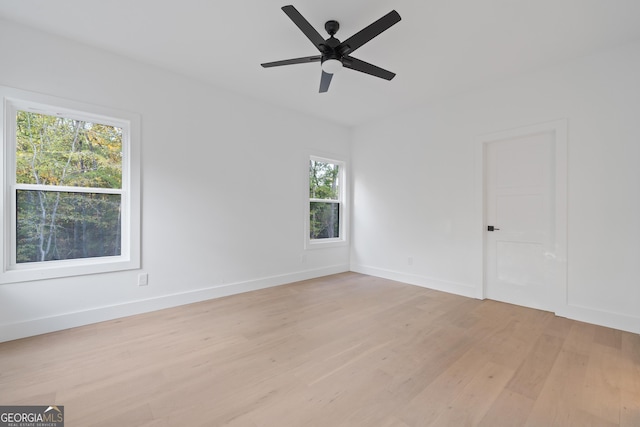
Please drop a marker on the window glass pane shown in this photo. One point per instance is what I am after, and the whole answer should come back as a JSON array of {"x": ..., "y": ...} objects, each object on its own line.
[
  {"x": 324, "y": 180},
  {"x": 54, "y": 225},
  {"x": 324, "y": 220},
  {"x": 53, "y": 150}
]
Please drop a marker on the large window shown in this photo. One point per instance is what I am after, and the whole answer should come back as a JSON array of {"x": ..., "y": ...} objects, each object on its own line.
[
  {"x": 326, "y": 201},
  {"x": 70, "y": 197}
]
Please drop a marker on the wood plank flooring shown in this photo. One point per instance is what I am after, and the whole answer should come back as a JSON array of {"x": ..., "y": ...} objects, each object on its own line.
[{"x": 343, "y": 350}]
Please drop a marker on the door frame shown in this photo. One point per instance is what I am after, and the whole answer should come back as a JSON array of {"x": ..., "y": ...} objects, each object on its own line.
[{"x": 559, "y": 128}]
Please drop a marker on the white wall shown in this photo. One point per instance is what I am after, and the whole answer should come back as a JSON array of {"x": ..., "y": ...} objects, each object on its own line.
[
  {"x": 212, "y": 225},
  {"x": 223, "y": 187},
  {"x": 415, "y": 193}
]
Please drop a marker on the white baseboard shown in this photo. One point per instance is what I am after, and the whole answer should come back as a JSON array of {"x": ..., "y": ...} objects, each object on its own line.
[
  {"x": 417, "y": 280},
  {"x": 601, "y": 317},
  {"x": 27, "y": 328},
  {"x": 574, "y": 312}
]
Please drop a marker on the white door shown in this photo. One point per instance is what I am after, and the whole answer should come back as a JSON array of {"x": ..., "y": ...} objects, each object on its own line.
[{"x": 519, "y": 204}]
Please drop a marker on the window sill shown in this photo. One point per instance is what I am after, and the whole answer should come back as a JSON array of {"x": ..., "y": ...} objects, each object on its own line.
[
  {"x": 325, "y": 243},
  {"x": 68, "y": 268}
]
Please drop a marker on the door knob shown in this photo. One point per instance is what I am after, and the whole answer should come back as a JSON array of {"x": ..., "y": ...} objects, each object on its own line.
[{"x": 492, "y": 228}]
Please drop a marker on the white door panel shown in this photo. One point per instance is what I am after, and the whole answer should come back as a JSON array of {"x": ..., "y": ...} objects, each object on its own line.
[{"x": 519, "y": 192}]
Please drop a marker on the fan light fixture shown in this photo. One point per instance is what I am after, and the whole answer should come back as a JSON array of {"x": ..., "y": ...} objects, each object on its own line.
[{"x": 331, "y": 66}]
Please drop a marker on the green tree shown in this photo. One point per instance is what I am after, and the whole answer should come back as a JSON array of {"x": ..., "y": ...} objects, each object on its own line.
[
  {"x": 324, "y": 207},
  {"x": 54, "y": 151}
]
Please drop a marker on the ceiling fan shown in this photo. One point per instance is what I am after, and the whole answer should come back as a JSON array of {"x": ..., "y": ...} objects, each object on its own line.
[{"x": 335, "y": 54}]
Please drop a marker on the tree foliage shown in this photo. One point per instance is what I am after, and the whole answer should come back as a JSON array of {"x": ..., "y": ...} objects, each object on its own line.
[
  {"x": 324, "y": 208},
  {"x": 54, "y": 151}
]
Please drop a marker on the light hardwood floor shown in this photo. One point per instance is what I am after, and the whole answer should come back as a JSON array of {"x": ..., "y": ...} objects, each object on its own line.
[{"x": 344, "y": 350}]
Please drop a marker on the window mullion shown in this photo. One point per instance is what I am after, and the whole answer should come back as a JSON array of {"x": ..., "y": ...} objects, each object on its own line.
[
  {"x": 67, "y": 189},
  {"x": 324, "y": 200}
]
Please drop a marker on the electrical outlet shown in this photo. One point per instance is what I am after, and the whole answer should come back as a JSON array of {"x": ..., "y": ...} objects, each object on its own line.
[
  {"x": 143, "y": 279},
  {"x": 410, "y": 260}
]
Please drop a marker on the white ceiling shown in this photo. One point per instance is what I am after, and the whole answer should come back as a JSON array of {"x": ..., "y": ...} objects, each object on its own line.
[{"x": 440, "y": 48}]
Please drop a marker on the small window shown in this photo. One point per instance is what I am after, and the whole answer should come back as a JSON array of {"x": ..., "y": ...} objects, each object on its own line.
[
  {"x": 326, "y": 201},
  {"x": 71, "y": 202}
]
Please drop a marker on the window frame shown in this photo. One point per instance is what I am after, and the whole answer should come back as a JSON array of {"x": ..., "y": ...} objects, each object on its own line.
[
  {"x": 342, "y": 205},
  {"x": 13, "y": 100}
]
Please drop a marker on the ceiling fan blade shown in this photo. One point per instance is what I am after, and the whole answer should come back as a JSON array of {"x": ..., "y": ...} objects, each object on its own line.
[
  {"x": 365, "y": 67},
  {"x": 304, "y": 60},
  {"x": 304, "y": 26},
  {"x": 368, "y": 33},
  {"x": 325, "y": 80}
]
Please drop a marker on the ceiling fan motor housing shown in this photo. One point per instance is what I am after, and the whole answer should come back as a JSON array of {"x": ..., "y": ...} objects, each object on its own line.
[
  {"x": 334, "y": 54},
  {"x": 329, "y": 50}
]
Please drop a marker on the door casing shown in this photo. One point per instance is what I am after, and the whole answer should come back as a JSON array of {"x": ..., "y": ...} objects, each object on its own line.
[{"x": 558, "y": 128}]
